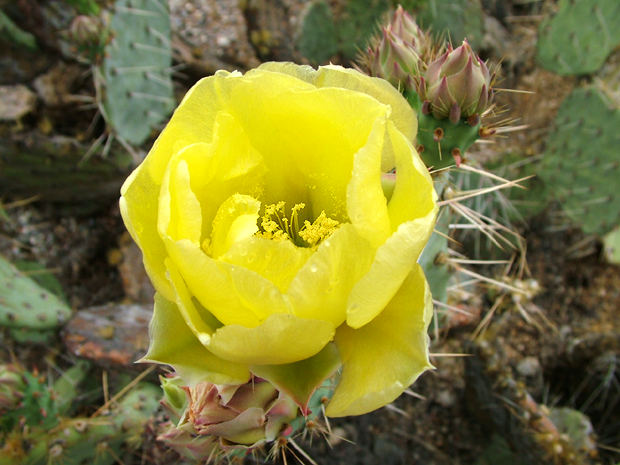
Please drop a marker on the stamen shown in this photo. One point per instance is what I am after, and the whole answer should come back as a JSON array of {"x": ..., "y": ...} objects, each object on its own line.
[
  {"x": 318, "y": 231},
  {"x": 275, "y": 225}
]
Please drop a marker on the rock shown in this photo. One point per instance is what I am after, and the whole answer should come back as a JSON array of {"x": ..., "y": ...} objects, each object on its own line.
[
  {"x": 211, "y": 35},
  {"x": 529, "y": 367},
  {"x": 111, "y": 335},
  {"x": 16, "y": 102},
  {"x": 18, "y": 65},
  {"x": 446, "y": 398},
  {"x": 274, "y": 27},
  {"x": 54, "y": 87},
  {"x": 136, "y": 283}
]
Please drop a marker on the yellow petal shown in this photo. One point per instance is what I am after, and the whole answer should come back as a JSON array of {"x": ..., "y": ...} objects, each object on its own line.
[
  {"x": 337, "y": 76},
  {"x": 390, "y": 267},
  {"x": 366, "y": 202},
  {"x": 236, "y": 219},
  {"x": 180, "y": 215},
  {"x": 192, "y": 122},
  {"x": 387, "y": 355},
  {"x": 321, "y": 287},
  {"x": 412, "y": 212},
  {"x": 276, "y": 260},
  {"x": 281, "y": 338},
  {"x": 228, "y": 165},
  {"x": 304, "y": 72},
  {"x": 196, "y": 321},
  {"x": 413, "y": 195},
  {"x": 233, "y": 294},
  {"x": 402, "y": 114},
  {"x": 174, "y": 344},
  {"x": 299, "y": 133}
]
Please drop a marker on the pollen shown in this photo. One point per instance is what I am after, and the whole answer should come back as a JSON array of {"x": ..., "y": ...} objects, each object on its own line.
[
  {"x": 316, "y": 232},
  {"x": 275, "y": 224}
]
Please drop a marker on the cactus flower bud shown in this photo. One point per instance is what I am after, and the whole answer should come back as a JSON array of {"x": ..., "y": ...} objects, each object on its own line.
[
  {"x": 86, "y": 30},
  {"x": 233, "y": 416},
  {"x": 11, "y": 387},
  {"x": 397, "y": 54},
  {"x": 243, "y": 414},
  {"x": 456, "y": 85}
]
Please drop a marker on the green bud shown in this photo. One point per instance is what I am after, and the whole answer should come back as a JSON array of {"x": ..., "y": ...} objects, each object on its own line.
[
  {"x": 86, "y": 30},
  {"x": 233, "y": 417},
  {"x": 456, "y": 85},
  {"x": 12, "y": 385},
  {"x": 397, "y": 54}
]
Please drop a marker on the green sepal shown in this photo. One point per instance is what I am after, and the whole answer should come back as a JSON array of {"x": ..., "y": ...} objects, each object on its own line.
[
  {"x": 300, "y": 379},
  {"x": 173, "y": 343}
]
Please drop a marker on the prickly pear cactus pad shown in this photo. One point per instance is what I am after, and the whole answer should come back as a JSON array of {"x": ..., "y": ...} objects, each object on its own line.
[
  {"x": 136, "y": 70},
  {"x": 25, "y": 304},
  {"x": 324, "y": 34},
  {"x": 581, "y": 167},
  {"x": 454, "y": 19},
  {"x": 578, "y": 39}
]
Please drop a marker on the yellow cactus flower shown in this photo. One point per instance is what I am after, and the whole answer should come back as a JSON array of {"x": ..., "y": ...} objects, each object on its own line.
[{"x": 272, "y": 244}]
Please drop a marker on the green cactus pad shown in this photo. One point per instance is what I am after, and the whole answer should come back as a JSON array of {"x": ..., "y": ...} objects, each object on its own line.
[
  {"x": 37, "y": 407},
  {"x": 439, "y": 154},
  {"x": 136, "y": 70},
  {"x": 324, "y": 34},
  {"x": 318, "y": 40},
  {"x": 438, "y": 274},
  {"x": 25, "y": 304},
  {"x": 454, "y": 19},
  {"x": 581, "y": 166},
  {"x": 578, "y": 39},
  {"x": 94, "y": 440}
]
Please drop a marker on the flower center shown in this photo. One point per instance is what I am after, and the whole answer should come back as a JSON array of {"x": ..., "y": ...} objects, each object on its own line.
[{"x": 276, "y": 225}]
